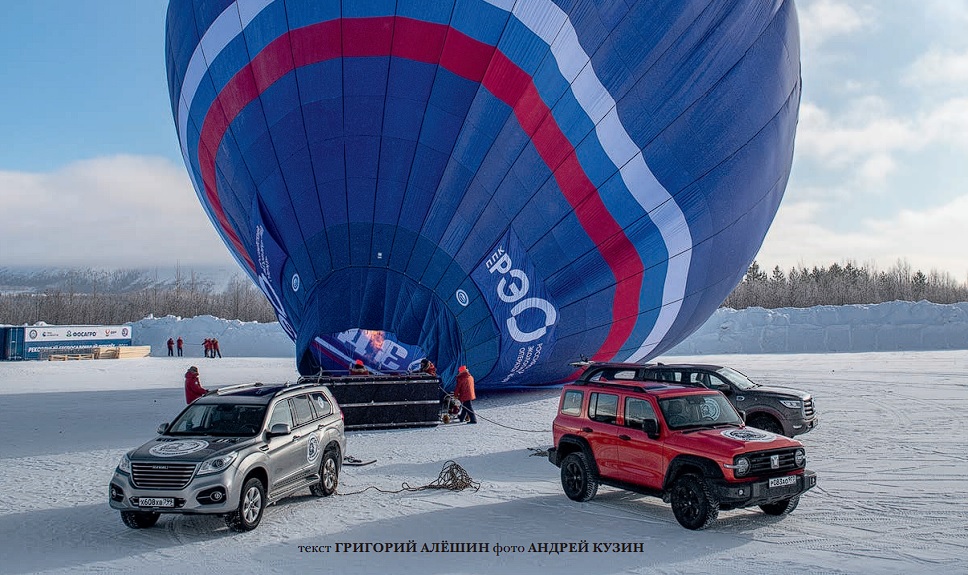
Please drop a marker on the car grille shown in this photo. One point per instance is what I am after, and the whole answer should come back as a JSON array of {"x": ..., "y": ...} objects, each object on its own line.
[
  {"x": 761, "y": 463},
  {"x": 162, "y": 476},
  {"x": 808, "y": 408}
]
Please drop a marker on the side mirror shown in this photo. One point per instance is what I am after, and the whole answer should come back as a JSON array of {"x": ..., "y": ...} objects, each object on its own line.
[
  {"x": 651, "y": 428},
  {"x": 162, "y": 428},
  {"x": 723, "y": 387},
  {"x": 279, "y": 429}
]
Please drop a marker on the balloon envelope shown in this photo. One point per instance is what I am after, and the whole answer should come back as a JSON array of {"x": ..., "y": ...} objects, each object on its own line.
[{"x": 507, "y": 185}]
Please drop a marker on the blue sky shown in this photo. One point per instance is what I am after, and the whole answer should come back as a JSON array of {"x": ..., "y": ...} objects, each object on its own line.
[{"x": 88, "y": 140}]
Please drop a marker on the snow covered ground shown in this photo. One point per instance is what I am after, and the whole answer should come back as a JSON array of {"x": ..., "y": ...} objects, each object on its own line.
[{"x": 890, "y": 455}]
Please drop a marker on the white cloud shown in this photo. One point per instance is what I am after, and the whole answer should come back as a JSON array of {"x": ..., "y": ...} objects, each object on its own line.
[
  {"x": 826, "y": 19},
  {"x": 931, "y": 239},
  {"x": 109, "y": 212},
  {"x": 939, "y": 67},
  {"x": 863, "y": 143}
]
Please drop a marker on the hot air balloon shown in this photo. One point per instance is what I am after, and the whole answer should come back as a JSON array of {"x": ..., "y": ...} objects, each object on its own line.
[{"x": 509, "y": 185}]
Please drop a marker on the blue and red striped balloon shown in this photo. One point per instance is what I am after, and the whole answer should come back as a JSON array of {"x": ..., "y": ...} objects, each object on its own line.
[{"x": 504, "y": 184}]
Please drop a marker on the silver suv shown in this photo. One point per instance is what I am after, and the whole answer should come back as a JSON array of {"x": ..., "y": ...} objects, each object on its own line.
[{"x": 232, "y": 453}]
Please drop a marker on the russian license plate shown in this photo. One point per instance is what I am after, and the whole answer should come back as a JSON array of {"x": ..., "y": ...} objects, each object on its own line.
[
  {"x": 159, "y": 501},
  {"x": 783, "y": 481}
]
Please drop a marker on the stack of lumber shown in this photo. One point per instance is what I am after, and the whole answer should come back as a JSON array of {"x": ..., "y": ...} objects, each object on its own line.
[{"x": 123, "y": 352}]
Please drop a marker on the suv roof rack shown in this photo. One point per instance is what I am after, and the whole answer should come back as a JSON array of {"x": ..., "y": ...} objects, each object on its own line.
[
  {"x": 238, "y": 387},
  {"x": 287, "y": 386},
  {"x": 635, "y": 385}
]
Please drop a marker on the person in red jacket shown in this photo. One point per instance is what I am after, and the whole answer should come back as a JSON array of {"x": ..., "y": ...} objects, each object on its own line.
[
  {"x": 465, "y": 393},
  {"x": 181, "y": 345},
  {"x": 428, "y": 367},
  {"x": 193, "y": 388},
  {"x": 357, "y": 368},
  {"x": 215, "y": 349},
  {"x": 171, "y": 347}
]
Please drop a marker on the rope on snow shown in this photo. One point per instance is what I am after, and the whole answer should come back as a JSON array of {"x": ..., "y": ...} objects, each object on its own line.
[{"x": 452, "y": 477}]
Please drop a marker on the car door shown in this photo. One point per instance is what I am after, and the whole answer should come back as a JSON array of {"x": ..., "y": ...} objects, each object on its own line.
[
  {"x": 601, "y": 431},
  {"x": 284, "y": 451},
  {"x": 306, "y": 436},
  {"x": 326, "y": 417},
  {"x": 642, "y": 459}
]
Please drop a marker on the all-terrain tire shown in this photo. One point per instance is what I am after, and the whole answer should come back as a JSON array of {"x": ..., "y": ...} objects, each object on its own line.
[
  {"x": 692, "y": 504},
  {"x": 252, "y": 503},
  {"x": 766, "y": 423},
  {"x": 328, "y": 475},
  {"x": 139, "y": 519},
  {"x": 781, "y": 507},
  {"x": 577, "y": 477}
]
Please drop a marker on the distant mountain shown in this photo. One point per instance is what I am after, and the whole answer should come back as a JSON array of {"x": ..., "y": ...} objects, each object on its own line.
[{"x": 22, "y": 279}]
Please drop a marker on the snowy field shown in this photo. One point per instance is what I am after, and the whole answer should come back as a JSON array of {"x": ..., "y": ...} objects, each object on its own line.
[{"x": 890, "y": 454}]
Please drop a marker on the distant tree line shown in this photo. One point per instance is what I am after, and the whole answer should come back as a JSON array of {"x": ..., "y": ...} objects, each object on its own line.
[
  {"x": 842, "y": 284},
  {"x": 93, "y": 297},
  {"x": 82, "y": 297}
]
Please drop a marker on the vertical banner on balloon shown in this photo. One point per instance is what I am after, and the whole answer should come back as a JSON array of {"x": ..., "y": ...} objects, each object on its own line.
[
  {"x": 520, "y": 304},
  {"x": 270, "y": 259}
]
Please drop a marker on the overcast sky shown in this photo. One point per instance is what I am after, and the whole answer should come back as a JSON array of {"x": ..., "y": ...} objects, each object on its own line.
[{"x": 91, "y": 175}]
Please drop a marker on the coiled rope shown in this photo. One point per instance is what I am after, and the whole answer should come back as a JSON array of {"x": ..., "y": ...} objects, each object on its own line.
[{"x": 452, "y": 477}]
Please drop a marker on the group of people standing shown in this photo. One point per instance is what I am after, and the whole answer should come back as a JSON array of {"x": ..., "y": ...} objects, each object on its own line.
[
  {"x": 171, "y": 346},
  {"x": 210, "y": 346}
]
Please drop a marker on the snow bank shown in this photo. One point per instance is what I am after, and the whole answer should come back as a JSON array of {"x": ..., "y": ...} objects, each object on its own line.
[
  {"x": 235, "y": 338},
  {"x": 892, "y": 326}
]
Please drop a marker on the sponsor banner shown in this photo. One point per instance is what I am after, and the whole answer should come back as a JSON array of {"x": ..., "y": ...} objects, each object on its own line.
[
  {"x": 90, "y": 334},
  {"x": 43, "y": 349},
  {"x": 525, "y": 314},
  {"x": 379, "y": 350}
]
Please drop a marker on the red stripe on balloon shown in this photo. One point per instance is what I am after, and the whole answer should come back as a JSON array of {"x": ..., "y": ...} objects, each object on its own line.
[{"x": 471, "y": 59}]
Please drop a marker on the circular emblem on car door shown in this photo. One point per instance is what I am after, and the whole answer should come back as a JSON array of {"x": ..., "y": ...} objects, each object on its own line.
[{"x": 312, "y": 451}]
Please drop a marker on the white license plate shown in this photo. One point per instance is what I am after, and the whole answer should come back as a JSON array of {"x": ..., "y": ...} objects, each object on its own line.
[
  {"x": 158, "y": 502},
  {"x": 783, "y": 481}
]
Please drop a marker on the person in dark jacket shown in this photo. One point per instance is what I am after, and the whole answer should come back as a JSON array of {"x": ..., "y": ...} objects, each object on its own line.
[
  {"x": 465, "y": 393},
  {"x": 179, "y": 344},
  {"x": 193, "y": 387},
  {"x": 171, "y": 347}
]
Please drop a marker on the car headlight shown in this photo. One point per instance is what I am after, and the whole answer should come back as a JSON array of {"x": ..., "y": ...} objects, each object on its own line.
[
  {"x": 217, "y": 464},
  {"x": 124, "y": 466},
  {"x": 791, "y": 403},
  {"x": 800, "y": 457},
  {"x": 740, "y": 466}
]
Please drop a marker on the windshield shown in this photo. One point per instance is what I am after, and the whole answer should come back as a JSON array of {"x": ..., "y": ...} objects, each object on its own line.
[
  {"x": 219, "y": 419},
  {"x": 737, "y": 378},
  {"x": 698, "y": 411}
]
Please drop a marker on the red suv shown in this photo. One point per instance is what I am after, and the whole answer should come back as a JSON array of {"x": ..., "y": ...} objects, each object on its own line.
[{"x": 687, "y": 445}]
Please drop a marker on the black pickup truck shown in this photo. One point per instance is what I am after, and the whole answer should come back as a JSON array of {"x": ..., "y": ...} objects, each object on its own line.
[{"x": 780, "y": 410}]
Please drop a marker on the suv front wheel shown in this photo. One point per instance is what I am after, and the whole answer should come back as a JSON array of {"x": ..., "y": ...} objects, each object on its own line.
[
  {"x": 577, "y": 478},
  {"x": 251, "y": 505},
  {"x": 692, "y": 504},
  {"x": 139, "y": 519},
  {"x": 781, "y": 507}
]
